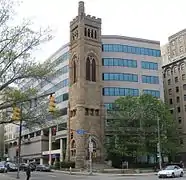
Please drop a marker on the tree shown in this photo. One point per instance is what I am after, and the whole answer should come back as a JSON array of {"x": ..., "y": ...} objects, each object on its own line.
[
  {"x": 135, "y": 121},
  {"x": 16, "y": 46}
]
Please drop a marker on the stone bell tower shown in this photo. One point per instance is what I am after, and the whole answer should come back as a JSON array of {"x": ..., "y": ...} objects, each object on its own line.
[{"x": 85, "y": 100}]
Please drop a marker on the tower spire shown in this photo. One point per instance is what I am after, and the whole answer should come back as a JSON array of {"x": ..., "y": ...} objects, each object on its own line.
[{"x": 81, "y": 8}]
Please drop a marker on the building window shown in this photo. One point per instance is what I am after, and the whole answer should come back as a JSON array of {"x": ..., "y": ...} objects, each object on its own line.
[
  {"x": 169, "y": 81},
  {"x": 119, "y": 62},
  {"x": 183, "y": 77},
  {"x": 179, "y": 120},
  {"x": 85, "y": 31},
  {"x": 171, "y": 111},
  {"x": 115, "y": 91},
  {"x": 88, "y": 69},
  {"x": 177, "y": 89},
  {"x": 88, "y": 32},
  {"x": 182, "y": 66},
  {"x": 149, "y": 65},
  {"x": 74, "y": 70},
  {"x": 170, "y": 101},
  {"x": 181, "y": 141},
  {"x": 178, "y": 109},
  {"x": 93, "y": 70},
  {"x": 170, "y": 91},
  {"x": 95, "y": 34},
  {"x": 97, "y": 112},
  {"x": 176, "y": 79},
  {"x": 185, "y": 107},
  {"x": 86, "y": 111},
  {"x": 154, "y": 93},
  {"x": 150, "y": 79},
  {"x": 92, "y": 112},
  {"x": 131, "y": 50},
  {"x": 184, "y": 97},
  {"x": 178, "y": 99},
  {"x": 120, "y": 77},
  {"x": 184, "y": 87}
]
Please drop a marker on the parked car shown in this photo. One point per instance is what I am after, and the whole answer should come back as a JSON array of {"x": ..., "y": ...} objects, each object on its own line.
[
  {"x": 3, "y": 168},
  {"x": 23, "y": 166},
  {"x": 45, "y": 168},
  {"x": 171, "y": 171},
  {"x": 11, "y": 166}
]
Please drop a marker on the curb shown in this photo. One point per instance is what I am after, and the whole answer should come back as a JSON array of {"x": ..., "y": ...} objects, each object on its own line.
[{"x": 94, "y": 174}]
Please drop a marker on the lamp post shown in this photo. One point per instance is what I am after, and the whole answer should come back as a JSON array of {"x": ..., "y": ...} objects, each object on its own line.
[
  {"x": 90, "y": 153},
  {"x": 159, "y": 143},
  {"x": 19, "y": 144}
]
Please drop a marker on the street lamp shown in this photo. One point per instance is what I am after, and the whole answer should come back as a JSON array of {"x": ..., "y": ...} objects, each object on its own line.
[{"x": 158, "y": 144}]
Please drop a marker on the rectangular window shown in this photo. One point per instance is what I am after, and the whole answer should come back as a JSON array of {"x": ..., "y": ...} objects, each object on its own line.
[
  {"x": 176, "y": 79},
  {"x": 130, "y": 49},
  {"x": 184, "y": 97},
  {"x": 119, "y": 62},
  {"x": 177, "y": 89},
  {"x": 178, "y": 99},
  {"x": 149, "y": 65},
  {"x": 115, "y": 91},
  {"x": 170, "y": 101},
  {"x": 154, "y": 93},
  {"x": 178, "y": 109},
  {"x": 183, "y": 77},
  {"x": 150, "y": 79},
  {"x": 169, "y": 81},
  {"x": 170, "y": 91},
  {"x": 120, "y": 77}
]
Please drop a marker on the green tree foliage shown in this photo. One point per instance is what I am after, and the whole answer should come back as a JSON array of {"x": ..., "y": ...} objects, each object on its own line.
[
  {"x": 136, "y": 128},
  {"x": 17, "y": 43}
]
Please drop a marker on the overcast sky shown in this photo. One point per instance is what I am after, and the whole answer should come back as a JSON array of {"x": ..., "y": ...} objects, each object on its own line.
[{"x": 150, "y": 19}]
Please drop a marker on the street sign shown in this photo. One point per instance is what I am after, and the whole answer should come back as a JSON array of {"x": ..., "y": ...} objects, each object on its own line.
[{"x": 80, "y": 131}]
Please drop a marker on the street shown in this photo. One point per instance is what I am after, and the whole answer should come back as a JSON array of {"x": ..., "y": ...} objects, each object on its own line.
[{"x": 61, "y": 176}]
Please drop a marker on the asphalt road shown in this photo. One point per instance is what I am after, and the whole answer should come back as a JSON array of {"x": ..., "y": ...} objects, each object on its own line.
[{"x": 61, "y": 176}]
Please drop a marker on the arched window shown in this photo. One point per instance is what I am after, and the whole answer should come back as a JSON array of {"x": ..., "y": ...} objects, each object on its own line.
[
  {"x": 74, "y": 72},
  {"x": 93, "y": 70},
  {"x": 88, "y": 69}
]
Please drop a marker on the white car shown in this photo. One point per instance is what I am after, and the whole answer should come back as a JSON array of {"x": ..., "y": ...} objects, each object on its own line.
[{"x": 171, "y": 171}]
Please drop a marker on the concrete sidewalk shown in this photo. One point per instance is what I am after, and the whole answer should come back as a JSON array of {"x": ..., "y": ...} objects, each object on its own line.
[{"x": 85, "y": 173}]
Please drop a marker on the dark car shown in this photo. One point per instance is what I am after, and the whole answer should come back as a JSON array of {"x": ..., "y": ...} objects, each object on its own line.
[
  {"x": 3, "y": 168},
  {"x": 45, "y": 168}
]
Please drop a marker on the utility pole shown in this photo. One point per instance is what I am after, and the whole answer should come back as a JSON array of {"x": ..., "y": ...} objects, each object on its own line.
[
  {"x": 19, "y": 143},
  {"x": 90, "y": 153},
  {"x": 159, "y": 143}
]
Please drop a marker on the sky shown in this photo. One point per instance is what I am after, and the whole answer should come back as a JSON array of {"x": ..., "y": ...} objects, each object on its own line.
[{"x": 148, "y": 19}]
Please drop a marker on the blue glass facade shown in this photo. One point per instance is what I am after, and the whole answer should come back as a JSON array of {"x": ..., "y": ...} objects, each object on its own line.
[
  {"x": 116, "y": 91},
  {"x": 150, "y": 79},
  {"x": 131, "y": 49},
  {"x": 120, "y": 77},
  {"x": 149, "y": 65},
  {"x": 154, "y": 93},
  {"x": 119, "y": 62}
]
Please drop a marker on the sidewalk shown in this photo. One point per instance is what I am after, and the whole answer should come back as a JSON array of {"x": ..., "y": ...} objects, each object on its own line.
[{"x": 85, "y": 173}]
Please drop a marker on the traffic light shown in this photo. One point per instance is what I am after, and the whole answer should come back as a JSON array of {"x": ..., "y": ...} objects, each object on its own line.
[
  {"x": 16, "y": 114},
  {"x": 52, "y": 104}
]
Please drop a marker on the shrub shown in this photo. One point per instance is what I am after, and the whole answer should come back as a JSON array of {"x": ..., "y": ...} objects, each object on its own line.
[
  {"x": 57, "y": 165},
  {"x": 67, "y": 164}
]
